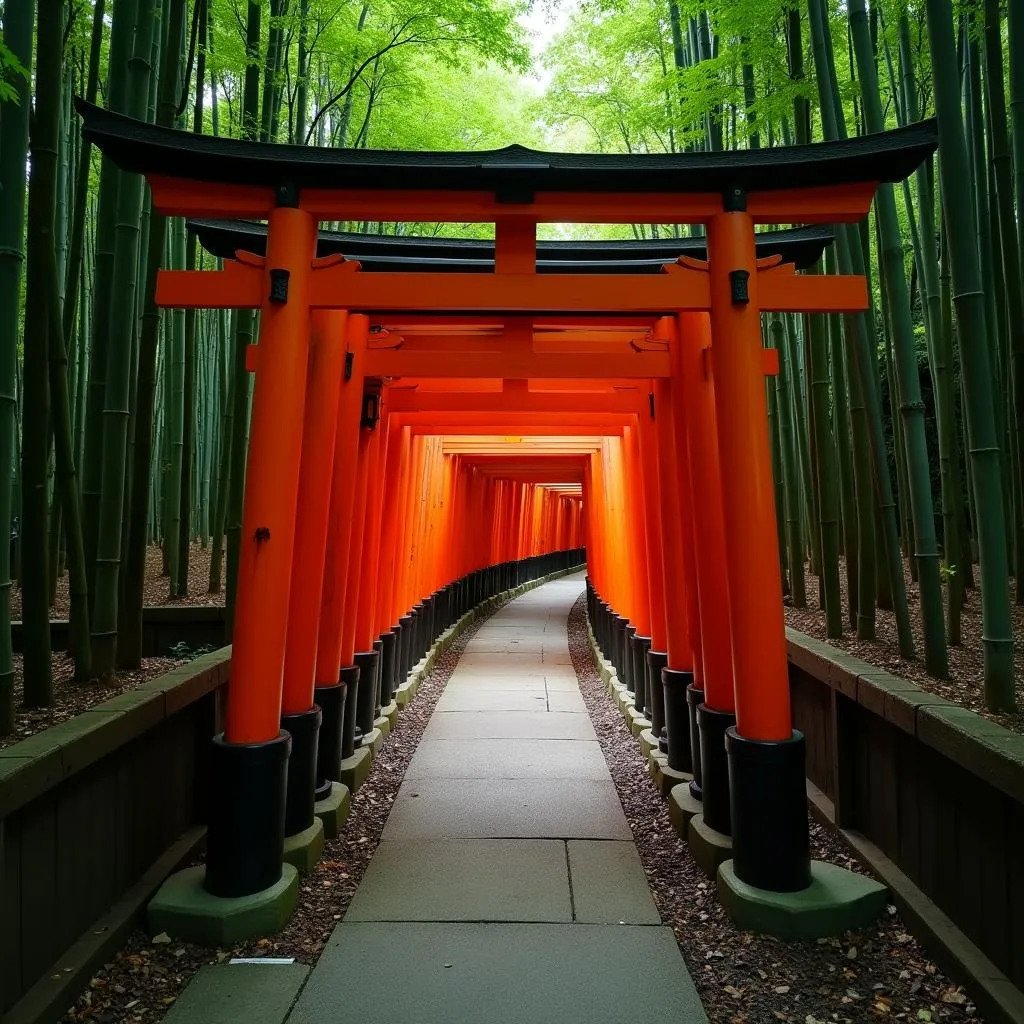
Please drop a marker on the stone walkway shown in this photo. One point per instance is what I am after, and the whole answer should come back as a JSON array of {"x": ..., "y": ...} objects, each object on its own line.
[{"x": 506, "y": 886}]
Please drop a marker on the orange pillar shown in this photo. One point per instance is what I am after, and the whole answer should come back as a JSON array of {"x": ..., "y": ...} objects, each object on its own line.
[
  {"x": 365, "y": 530},
  {"x": 697, "y": 433},
  {"x": 323, "y": 394},
  {"x": 657, "y": 656},
  {"x": 300, "y": 716},
  {"x": 249, "y": 763},
  {"x": 387, "y": 560},
  {"x": 682, "y": 673},
  {"x": 640, "y": 643},
  {"x": 766, "y": 758},
  {"x": 333, "y": 674}
]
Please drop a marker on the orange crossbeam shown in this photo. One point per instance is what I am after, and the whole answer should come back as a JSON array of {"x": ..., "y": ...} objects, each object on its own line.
[{"x": 399, "y": 363}]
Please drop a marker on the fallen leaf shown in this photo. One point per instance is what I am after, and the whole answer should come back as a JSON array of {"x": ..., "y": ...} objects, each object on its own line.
[
  {"x": 955, "y": 996},
  {"x": 924, "y": 1014},
  {"x": 781, "y": 989},
  {"x": 851, "y": 953},
  {"x": 736, "y": 993},
  {"x": 162, "y": 939}
]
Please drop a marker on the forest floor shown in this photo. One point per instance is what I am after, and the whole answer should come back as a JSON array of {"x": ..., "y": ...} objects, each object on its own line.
[
  {"x": 72, "y": 698},
  {"x": 965, "y": 685}
]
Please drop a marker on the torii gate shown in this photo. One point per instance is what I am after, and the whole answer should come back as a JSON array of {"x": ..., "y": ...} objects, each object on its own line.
[{"x": 717, "y": 301}]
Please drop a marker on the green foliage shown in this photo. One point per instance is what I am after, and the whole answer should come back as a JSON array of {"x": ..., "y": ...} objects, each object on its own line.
[{"x": 10, "y": 68}]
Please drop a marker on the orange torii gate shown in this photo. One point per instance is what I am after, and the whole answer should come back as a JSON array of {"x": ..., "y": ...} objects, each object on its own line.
[{"x": 706, "y": 377}]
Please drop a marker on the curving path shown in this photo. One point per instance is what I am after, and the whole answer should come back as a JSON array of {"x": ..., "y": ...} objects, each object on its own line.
[{"x": 506, "y": 886}]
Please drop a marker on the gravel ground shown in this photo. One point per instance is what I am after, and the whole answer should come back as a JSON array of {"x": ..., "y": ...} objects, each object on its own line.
[
  {"x": 965, "y": 685},
  {"x": 155, "y": 587},
  {"x": 146, "y": 977},
  {"x": 71, "y": 698},
  {"x": 741, "y": 976}
]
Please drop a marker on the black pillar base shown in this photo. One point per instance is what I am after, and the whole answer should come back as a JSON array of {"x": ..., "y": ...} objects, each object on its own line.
[
  {"x": 641, "y": 645},
  {"x": 417, "y": 632},
  {"x": 350, "y": 680},
  {"x": 405, "y": 648},
  {"x": 367, "y": 664},
  {"x": 626, "y": 672},
  {"x": 675, "y": 686},
  {"x": 387, "y": 666},
  {"x": 656, "y": 661},
  {"x": 770, "y": 842},
  {"x": 245, "y": 835},
  {"x": 378, "y": 647},
  {"x": 331, "y": 701},
  {"x": 694, "y": 699},
  {"x": 304, "y": 729},
  {"x": 714, "y": 767}
]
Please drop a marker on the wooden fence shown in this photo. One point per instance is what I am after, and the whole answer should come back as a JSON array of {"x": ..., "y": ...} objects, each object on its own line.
[{"x": 938, "y": 789}]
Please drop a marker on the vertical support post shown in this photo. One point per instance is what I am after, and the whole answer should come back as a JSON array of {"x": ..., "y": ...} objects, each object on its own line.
[
  {"x": 245, "y": 841},
  {"x": 657, "y": 656},
  {"x": 301, "y": 717},
  {"x": 680, "y": 677},
  {"x": 337, "y": 682},
  {"x": 697, "y": 431},
  {"x": 766, "y": 757}
]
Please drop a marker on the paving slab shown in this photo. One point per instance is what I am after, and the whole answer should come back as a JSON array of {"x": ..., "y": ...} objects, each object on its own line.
[
  {"x": 557, "y": 657},
  {"x": 479, "y": 682},
  {"x": 609, "y": 885},
  {"x": 561, "y": 682},
  {"x": 463, "y": 725},
  {"x": 500, "y": 974},
  {"x": 566, "y": 700},
  {"x": 506, "y": 808},
  {"x": 253, "y": 993},
  {"x": 502, "y": 647},
  {"x": 508, "y": 759},
  {"x": 493, "y": 662},
  {"x": 506, "y": 887},
  {"x": 465, "y": 699},
  {"x": 465, "y": 880}
]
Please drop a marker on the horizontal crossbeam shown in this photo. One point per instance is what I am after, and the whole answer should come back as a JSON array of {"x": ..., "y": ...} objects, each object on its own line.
[{"x": 337, "y": 287}]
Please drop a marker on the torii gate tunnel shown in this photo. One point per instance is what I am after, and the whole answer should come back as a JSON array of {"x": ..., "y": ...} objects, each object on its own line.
[{"x": 429, "y": 416}]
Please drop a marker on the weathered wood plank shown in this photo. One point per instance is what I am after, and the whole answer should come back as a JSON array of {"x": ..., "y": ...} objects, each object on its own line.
[
  {"x": 40, "y": 909},
  {"x": 10, "y": 911}
]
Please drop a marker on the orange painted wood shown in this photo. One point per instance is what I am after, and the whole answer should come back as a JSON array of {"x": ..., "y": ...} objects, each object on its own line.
[
  {"x": 323, "y": 395},
  {"x": 751, "y": 537},
  {"x": 271, "y": 491},
  {"x": 527, "y": 293},
  {"x": 562, "y": 365},
  {"x": 697, "y": 430},
  {"x": 329, "y": 649}
]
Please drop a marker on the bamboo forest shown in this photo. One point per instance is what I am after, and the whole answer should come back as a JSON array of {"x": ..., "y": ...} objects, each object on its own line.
[{"x": 897, "y": 433}]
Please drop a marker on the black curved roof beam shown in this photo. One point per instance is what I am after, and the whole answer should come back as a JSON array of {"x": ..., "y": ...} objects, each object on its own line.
[
  {"x": 223, "y": 238},
  {"x": 512, "y": 173}
]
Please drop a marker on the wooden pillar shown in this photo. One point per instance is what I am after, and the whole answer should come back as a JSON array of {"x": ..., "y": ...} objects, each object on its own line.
[
  {"x": 766, "y": 758},
  {"x": 249, "y": 763}
]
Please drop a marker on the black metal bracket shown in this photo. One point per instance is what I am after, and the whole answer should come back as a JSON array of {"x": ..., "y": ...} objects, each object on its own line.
[
  {"x": 650, "y": 400},
  {"x": 514, "y": 196},
  {"x": 371, "y": 409},
  {"x": 738, "y": 283},
  {"x": 734, "y": 199},
  {"x": 286, "y": 194},
  {"x": 279, "y": 285},
  {"x": 349, "y": 359}
]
